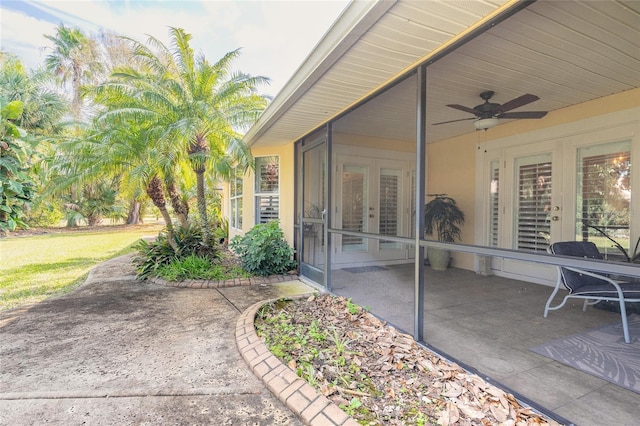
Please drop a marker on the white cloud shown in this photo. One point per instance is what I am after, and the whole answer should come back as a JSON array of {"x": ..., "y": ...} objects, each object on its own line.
[{"x": 275, "y": 36}]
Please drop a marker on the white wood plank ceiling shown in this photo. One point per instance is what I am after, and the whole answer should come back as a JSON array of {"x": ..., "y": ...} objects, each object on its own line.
[{"x": 565, "y": 52}]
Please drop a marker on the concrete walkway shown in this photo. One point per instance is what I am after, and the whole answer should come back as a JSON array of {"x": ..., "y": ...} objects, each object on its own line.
[{"x": 118, "y": 351}]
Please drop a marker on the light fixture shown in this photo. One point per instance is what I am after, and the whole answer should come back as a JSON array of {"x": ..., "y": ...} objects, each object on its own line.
[{"x": 485, "y": 123}]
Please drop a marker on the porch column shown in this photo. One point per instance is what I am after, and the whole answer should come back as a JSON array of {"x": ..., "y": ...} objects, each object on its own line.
[
  {"x": 326, "y": 215},
  {"x": 421, "y": 152}
]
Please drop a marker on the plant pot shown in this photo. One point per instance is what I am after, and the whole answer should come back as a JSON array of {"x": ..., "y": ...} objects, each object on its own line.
[{"x": 438, "y": 258}]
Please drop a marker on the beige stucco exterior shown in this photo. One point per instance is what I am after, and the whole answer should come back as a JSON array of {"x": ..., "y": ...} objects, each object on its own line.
[{"x": 285, "y": 154}]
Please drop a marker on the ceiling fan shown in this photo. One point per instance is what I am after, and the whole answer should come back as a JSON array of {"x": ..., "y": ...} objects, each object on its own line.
[{"x": 488, "y": 113}]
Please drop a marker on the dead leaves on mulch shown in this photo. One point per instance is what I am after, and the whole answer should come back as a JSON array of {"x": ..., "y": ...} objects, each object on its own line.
[{"x": 397, "y": 381}]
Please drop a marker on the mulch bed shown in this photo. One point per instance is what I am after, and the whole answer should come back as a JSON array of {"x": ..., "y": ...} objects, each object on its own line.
[{"x": 377, "y": 374}]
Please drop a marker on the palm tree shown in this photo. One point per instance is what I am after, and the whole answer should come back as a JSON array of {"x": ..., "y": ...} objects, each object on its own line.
[
  {"x": 74, "y": 59},
  {"x": 43, "y": 107},
  {"x": 198, "y": 109}
]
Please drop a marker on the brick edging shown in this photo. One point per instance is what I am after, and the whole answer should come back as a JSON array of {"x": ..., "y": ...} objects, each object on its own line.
[
  {"x": 235, "y": 282},
  {"x": 299, "y": 396}
]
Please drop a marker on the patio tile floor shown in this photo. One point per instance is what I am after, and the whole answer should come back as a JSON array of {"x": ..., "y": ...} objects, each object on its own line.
[{"x": 489, "y": 323}]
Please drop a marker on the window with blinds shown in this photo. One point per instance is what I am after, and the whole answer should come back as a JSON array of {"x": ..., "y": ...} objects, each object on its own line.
[
  {"x": 533, "y": 204},
  {"x": 494, "y": 212},
  {"x": 235, "y": 214},
  {"x": 267, "y": 187},
  {"x": 354, "y": 202},
  {"x": 604, "y": 194},
  {"x": 390, "y": 205},
  {"x": 268, "y": 208}
]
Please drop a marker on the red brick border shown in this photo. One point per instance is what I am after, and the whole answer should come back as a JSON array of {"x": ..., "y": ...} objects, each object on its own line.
[
  {"x": 271, "y": 279},
  {"x": 305, "y": 401}
]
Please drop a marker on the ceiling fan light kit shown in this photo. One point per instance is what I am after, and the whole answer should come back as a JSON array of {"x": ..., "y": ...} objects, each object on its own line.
[{"x": 485, "y": 123}]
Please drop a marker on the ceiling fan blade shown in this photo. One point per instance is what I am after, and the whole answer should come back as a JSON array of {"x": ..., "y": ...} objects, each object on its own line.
[
  {"x": 523, "y": 114},
  {"x": 517, "y": 103},
  {"x": 453, "y": 121},
  {"x": 465, "y": 109}
]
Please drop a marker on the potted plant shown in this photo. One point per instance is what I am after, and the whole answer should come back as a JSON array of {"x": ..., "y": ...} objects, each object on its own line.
[{"x": 442, "y": 219}]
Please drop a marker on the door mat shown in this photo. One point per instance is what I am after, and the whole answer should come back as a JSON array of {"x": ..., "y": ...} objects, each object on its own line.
[
  {"x": 361, "y": 269},
  {"x": 601, "y": 352}
]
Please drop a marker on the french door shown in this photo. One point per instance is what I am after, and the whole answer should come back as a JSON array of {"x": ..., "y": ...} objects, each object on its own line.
[
  {"x": 529, "y": 212},
  {"x": 371, "y": 196}
]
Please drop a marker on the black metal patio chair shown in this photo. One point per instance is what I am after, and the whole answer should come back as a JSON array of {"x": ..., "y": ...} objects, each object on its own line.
[{"x": 590, "y": 286}]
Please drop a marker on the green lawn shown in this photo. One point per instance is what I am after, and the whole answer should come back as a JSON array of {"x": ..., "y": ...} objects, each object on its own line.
[{"x": 33, "y": 268}]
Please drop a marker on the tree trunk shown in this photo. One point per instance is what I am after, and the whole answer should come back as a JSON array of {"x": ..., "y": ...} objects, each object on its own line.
[
  {"x": 72, "y": 222},
  {"x": 154, "y": 190},
  {"x": 202, "y": 207},
  {"x": 180, "y": 208},
  {"x": 133, "y": 218}
]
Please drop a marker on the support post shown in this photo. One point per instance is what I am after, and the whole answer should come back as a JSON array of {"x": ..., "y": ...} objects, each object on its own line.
[{"x": 421, "y": 155}]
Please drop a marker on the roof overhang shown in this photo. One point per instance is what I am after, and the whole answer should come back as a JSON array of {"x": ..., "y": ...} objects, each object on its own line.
[{"x": 564, "y": 52}]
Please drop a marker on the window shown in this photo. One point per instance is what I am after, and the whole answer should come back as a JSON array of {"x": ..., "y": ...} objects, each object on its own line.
[
  {"x": 267, "y": 189},
  {"x": 236, "y": 200},
  {"x": 494, "y": 212},
  {"x": 604, "y": 195}
]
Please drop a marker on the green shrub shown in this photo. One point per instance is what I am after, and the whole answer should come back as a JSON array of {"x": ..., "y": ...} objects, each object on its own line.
[
  {"x": 263, "y": 250},
  {"x": 154, "y": 255},
  {"x": 189, "y": 240},
  {"x": 191, "y": 267},
  {"x": 44, "y": 214}
]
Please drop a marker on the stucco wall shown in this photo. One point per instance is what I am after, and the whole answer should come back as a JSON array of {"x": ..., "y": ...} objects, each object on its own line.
[
  {"x": 451, "y": 170},
  {"x": 286, "y": 154}
]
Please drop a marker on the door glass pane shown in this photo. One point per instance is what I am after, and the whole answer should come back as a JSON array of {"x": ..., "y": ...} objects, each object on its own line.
[
  {"x": 533, "y": 203},
  {"x": 604, "y": 196},
  {"x": 390, "y": 210},
  {"x": 354, "y": 206},
  {"x": 313, "y": 183}
]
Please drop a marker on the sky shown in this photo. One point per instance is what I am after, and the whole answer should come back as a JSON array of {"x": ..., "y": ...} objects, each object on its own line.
[{"x": 274, "y": 36}]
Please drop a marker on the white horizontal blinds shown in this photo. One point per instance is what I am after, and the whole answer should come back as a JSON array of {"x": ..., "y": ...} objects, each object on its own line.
[
  {"x": 267, "y": 189},
  {"x": 236, "y": 200},
  {"x": 494, "y": 212},
  {"x": 604, "y": 192},
  {"x": 390, "y": 205},
  {"x": 354, "y": 206},
  {"x": 269, "y": 208},
  {"x": 533, "y": 203}
]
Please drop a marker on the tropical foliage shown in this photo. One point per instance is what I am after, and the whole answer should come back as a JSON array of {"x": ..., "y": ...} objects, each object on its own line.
[
  {"x": 15, "y": 183},
  {"x": 184, "y": 242},
  {"x": 263, "y": 250},
  {"x": 115, "y": 123},
  {"x": 40, "y": 119},
  {"x": 190, "y": 111},
  {"x": 443, "y": 218}
]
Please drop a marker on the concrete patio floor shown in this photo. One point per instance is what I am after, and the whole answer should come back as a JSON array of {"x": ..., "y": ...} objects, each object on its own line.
[{"x": 489, "y": 323}]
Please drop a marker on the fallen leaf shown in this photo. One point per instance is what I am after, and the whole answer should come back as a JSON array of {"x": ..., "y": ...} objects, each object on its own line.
[
  {"x": 499, "y": 413},
  {"x": 452, "y": 390}
]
